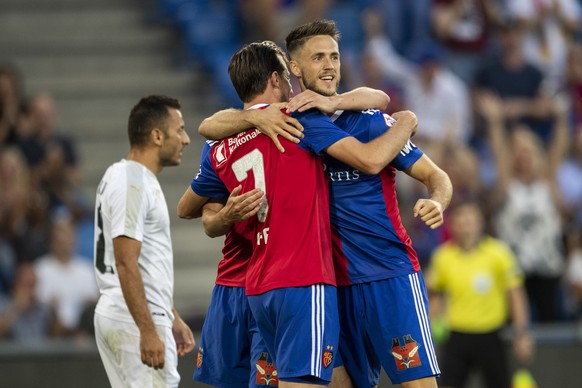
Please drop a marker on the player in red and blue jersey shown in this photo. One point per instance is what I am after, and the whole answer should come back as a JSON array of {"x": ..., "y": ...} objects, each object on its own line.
[
  {"x": 292, "y": 250},
  {"x": 231, "y": 352},
  {"x": 382, "y": 297}
]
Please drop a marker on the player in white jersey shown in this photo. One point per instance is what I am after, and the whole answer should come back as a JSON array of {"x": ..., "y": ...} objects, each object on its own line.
[{"x": 137, "y": 329}]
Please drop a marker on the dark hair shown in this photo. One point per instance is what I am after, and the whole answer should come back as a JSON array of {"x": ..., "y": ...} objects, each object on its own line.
[
  {"x": 297, "y": 38},
  {"x": 149, "y": 113},
  {"x": 251, "y": 66}
]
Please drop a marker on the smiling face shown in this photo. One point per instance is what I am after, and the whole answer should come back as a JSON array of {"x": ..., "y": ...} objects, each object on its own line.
[
  {"x": 317, "y": 65},
  {"x": 175, "y": 139}
]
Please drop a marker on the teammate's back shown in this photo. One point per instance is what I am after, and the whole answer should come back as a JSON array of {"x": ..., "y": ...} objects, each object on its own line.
[{"x": 291, "y": 234}]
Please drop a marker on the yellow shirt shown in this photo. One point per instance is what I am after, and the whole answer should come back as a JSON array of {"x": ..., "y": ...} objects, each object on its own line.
[{"x": 475, "y": 284}]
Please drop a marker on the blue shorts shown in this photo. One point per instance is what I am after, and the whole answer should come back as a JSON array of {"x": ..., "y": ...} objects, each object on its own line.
[
  {"x": 231, "y": 353},
  {"x": 300, "y": 328},
  {"x": 385, "y": 324}
]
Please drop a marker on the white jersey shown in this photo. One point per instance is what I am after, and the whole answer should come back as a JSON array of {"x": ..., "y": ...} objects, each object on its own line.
[
  {"x": 130, "y": 203},
  {"x": 530, "y": 224}
]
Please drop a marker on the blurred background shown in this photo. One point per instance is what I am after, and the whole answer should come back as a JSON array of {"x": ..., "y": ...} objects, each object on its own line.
[{"x": 496, "y": 85}]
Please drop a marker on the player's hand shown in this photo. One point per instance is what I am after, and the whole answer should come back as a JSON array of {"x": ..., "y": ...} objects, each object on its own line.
[
  {"x": 183, "y": 337},
  {"x": 241, "y": 207},
  {"x": 274, "y": 123},
  {"x": 152, "y": 349},
  {"x": 309, "y": 99},
  {"x": 430, "y": 212},
  {"x": 407, "y": 117}
]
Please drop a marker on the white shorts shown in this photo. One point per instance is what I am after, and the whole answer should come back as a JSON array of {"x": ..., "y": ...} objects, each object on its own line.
[{"x": 118, "y": 344}]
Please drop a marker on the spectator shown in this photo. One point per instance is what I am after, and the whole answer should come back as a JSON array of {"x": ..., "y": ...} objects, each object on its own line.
[
  {"x": 53, "y": 161},
  {"x": 270, "y": 19},
  {"x": 516, "y": 81},
  {"x": 10, "y": 100},
  {"x": 480, "y": 279},
  {"x": 372, "y": 76},
  {"x": 549, "y": 26},
  {"x": 23, "y": 317},
  {"x": 439, "y": 98},
  {"x": 569, "y": 177},
  {"x": 464, "y": 28},
  {"x": 574, "y": 80},
  {"x": 406, "y": 23},
  {"x": 17, "y": 203},
  {"x": 527, "y": 205},
  {"x": 66, "y": 280},
  {"x": 573, "y": 277}
]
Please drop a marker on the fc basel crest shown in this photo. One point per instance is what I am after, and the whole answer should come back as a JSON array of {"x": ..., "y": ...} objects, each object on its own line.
[
  {"x": 327, "y": 357},
  {"x": 266, "y": 372},
  {"x": 406, "y": 354},
  {"x": 199, "y": 358}
]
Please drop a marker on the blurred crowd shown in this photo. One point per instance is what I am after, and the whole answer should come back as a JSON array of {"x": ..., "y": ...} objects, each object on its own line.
[{"x": 47, "y": 285}]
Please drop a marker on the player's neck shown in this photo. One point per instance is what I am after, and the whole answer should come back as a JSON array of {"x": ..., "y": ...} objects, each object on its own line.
[
  {"x": 267, "y": 97},
  {"x": 147, "y": 157}
]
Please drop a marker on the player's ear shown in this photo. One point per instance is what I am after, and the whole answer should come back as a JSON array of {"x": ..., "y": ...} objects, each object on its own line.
[
  {"x": 274, "y": 79},
  {"x": 157, "y": 136},
  {"x": 294, "y": 67}
]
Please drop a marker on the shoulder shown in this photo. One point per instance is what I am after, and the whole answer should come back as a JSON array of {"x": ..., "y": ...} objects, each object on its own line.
[
  {"x": 443, "y": 252},
  {"x": 310, "y": 115},
  {"x": 497, "y": 247}
]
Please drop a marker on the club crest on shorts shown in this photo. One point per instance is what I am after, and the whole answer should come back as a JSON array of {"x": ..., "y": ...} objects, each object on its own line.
[
  {"x": 327, "y": 357},
  {"x": 406, "y": 354},
  {"x": 199, "y": 358},
  {"x": 266, "y": 372}
]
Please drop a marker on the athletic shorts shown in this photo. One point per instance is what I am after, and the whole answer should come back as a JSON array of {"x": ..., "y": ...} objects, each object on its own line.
[
  {"x": 385, "y": 324},
  {"x": 231, "y": 353},
  {"x": 119, "y": 348},
  {"x": 300, "y": 328}
]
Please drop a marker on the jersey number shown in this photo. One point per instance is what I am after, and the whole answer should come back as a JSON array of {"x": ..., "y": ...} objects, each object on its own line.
[
  {"x": 100, "y": 247},
  {"x": 253, "y": 161}
]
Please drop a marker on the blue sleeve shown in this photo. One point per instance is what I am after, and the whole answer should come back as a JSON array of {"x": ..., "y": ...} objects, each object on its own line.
[
  {"x": 382, "y": 122},
  {"x": 206, "y": 183},
  {"x": 319, "y": 131},
  {"x": 409, "y": 154}
]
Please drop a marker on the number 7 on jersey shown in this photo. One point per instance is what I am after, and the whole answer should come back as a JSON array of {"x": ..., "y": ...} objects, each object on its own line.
[{"x": 253, "y": 161}]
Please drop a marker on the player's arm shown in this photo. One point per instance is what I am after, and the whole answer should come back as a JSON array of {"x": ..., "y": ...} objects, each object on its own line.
[
  {"x": 217, "y": 217},
  {"x": 270, "y": 121},
  {"x": 126, "y": 251},
  {"x": 190, "y": 205},
  {"x": 372, "y": 157},
  {"x": 439, "y": 187},
  {"x": 182, "y": 335},
  {"x": 358, "y": 99}
]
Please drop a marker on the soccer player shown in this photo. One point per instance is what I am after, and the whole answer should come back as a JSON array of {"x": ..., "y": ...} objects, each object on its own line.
[
  {"x": 376, "y": 267},
  {"x": 382, "y": 297},
  {"x": 289, "y": 282},
  {"x": 138, "y": 332},
  {"x": 231, "y": 352}
]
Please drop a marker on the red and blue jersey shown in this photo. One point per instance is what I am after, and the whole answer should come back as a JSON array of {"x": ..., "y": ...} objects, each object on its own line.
[
  {"x": 238, "y": 247},
  {"x": 291, "y": 234},
  {"x": 369, "y": 241}
]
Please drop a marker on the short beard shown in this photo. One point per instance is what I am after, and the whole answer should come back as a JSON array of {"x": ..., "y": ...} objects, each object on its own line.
[{"x": 324, "y": 92}]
